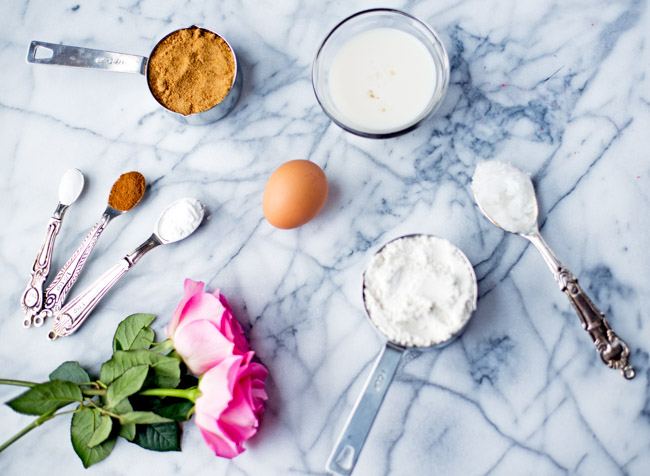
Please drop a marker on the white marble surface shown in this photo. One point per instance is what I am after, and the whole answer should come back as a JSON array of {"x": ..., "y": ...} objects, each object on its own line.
[{"x": 561, "y": 89}]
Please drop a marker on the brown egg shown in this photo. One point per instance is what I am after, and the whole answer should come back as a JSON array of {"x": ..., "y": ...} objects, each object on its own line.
[{"x": 294, "y": 194}]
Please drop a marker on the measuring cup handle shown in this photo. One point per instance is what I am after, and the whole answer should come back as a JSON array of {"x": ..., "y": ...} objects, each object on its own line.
[
  {"x": 346, "y": 451},
  {"x": 41, "y": 52}
]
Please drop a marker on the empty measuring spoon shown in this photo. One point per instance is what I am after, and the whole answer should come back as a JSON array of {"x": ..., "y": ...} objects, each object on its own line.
[
  {"x": 506, "y": 196},
  {"x": 125, "y": 194},
  {"x": 70, "y": 188},
  {"x": 418, "y": 291},
  {"x": 178, "y": 221}
]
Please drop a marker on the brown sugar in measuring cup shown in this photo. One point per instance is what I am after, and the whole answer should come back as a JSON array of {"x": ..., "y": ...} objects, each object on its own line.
[{"x": 192, "y": 72}]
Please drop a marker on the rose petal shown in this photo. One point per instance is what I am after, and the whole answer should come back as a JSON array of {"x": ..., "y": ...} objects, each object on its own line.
[
  {"x": 239, "y": 420},
  {"x": 221, "y": 446},
  {"x": 202, "y": 306},
  {"x": 191, "y": 288},
  {"x": 217, "y": 386},
  {"x": 201, "y": 346},
  {"x": 231, "y": 328}
]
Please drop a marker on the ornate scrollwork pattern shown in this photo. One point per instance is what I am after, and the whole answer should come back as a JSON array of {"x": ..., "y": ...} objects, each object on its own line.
[
  {"x": 58, "y": 290},
  {"x": 613, "y": 351},
  {"x": 32, "y": 298}
]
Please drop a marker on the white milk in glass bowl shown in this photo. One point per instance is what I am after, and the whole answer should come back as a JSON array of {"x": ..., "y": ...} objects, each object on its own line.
[{"x": 380, "y": 73}]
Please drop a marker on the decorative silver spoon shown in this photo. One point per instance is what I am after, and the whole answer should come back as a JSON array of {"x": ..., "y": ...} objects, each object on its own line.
[
  {"x": 499, "y": 188},
  {"x": 58, "y": 290},
  {"x": 70, "y": 188},
  {"x": 178, "y": 221}
]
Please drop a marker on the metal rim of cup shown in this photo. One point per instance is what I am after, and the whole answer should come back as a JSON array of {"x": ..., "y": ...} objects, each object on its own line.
[
  {"x": 219, "y": 110},
  {"x": 431, "y": 109},
  {"x": 458, "y": 332}
]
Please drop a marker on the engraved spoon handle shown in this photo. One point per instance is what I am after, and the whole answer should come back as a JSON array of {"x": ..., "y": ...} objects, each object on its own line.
[
  {"x": 32, "y": 298},
  {"x": 613, "y": 351},
  {"x": 58, "y": 290},
  {"x": 70, "y": 317},
  {"x": 346, "y": 451},
  {"x": 64, "y": 55}
]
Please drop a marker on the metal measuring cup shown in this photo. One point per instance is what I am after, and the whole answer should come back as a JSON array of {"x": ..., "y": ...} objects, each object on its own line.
[
  {"x": 355, "y": 431},
  {"x": 41, "y": 52}
]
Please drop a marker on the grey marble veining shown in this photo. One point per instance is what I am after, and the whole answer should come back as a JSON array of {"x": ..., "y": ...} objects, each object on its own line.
[{"x": 560, "y": 89}]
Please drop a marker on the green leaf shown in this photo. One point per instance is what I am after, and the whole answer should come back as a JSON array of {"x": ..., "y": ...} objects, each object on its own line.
[
  {"x": 84, "y": 424},
  {"x": 159, "y": 437},
  {"x": 127, "y": 430},
  {"x": 143, "y": 418},
  {"x": 102, "y": 432},
  {"x": 70, "y": 372},
  {"x": 126, "y": 384},
  {"x": 46, "y": 397},
  {"x": 133, "y": 333},
  {"x": 179, "y": 410},
  {"x": 167, "y": 370}
]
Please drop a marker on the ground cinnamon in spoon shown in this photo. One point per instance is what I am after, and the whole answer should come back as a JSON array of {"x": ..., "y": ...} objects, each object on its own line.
[
  {"x": 191, "y": 70},
  {"x": 127, "y": 191}
]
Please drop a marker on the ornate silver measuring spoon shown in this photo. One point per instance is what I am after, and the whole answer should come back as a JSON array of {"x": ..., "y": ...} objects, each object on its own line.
[
  {"x": 496, "y": 185},
  {"x": 70, "y": 188},
  {"x": 347, "y": 449},
  {"x": 125, "y": 194},
  {"x": 178, "y": 221}
]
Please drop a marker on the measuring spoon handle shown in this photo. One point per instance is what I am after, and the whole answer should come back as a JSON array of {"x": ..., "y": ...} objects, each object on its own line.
[
  {"x": 70, "y": 317},
  {"x": 32, "y": 298},
  {"x": 613, "y": 350},
  {"x": 58, "y": 290},
  {"x": 346, "y": 451},
  {"x": 41, "y": 52}
]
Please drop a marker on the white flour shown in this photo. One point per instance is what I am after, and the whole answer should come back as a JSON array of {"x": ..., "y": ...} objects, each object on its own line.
[
  {"x": 180, "y": 219},
  {"x": 506, "y": 195},
  {"x": 419, "y": 290}
]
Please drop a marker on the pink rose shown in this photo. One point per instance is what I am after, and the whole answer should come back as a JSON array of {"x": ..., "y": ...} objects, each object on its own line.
[
  {"x": 204, "y": 330},
  {"x": 230, "y": 406}
]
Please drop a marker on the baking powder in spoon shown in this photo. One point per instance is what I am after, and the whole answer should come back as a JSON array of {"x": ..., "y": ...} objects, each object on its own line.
[
  {"x": 506, "y": 195},
  {"x": 180, "y": 219},
  {"x": 70, "y": 187}
]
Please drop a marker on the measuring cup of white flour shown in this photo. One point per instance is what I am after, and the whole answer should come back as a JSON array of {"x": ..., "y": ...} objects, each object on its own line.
[{"x": 419, "y": 291}]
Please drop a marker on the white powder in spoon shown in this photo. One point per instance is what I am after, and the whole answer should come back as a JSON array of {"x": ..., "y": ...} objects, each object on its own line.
[
  {"x": 419, "y": 290},
  {"x": 71, "y": 185},
  {"x": 180, "y": 219},
  {"x": 506, "y": 195}
]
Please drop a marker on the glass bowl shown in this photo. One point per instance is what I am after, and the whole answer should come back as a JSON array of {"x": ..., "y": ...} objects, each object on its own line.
[{"x": 363, "y": 23}]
